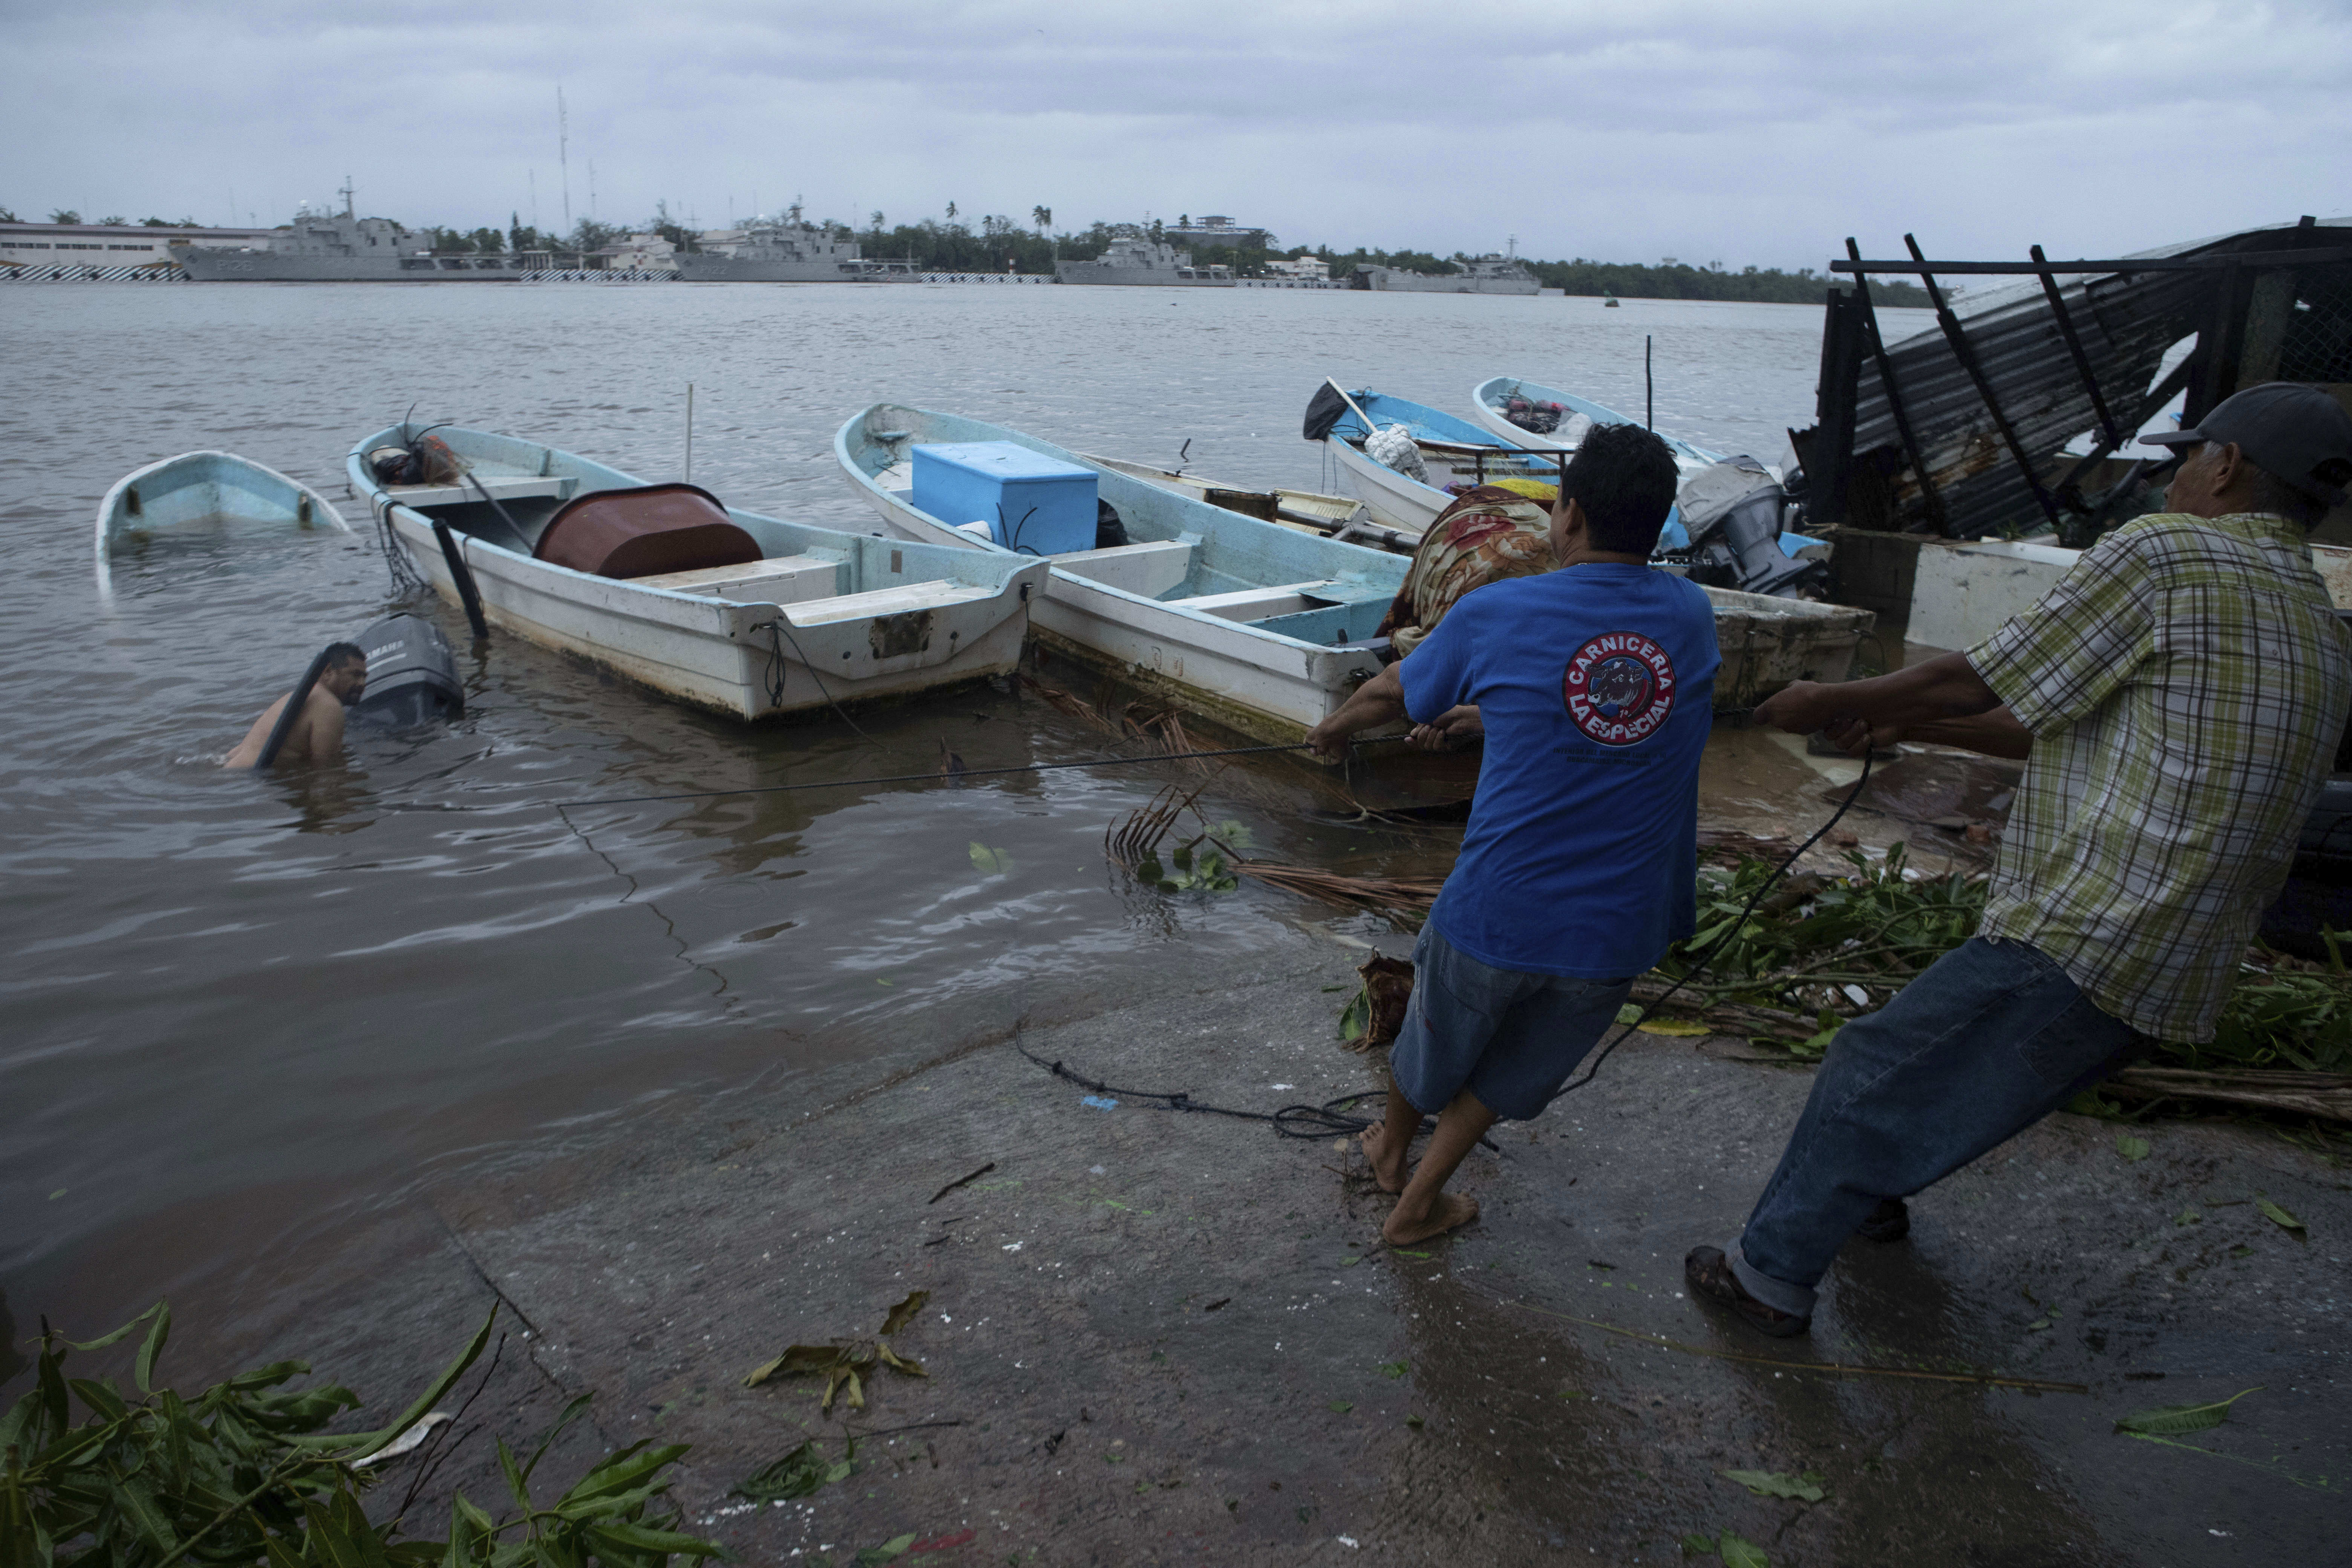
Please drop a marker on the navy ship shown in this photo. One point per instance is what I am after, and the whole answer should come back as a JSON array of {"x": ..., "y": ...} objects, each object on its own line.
[
  {"x": 786, "y": 251},
  {"x": 1487, "y": 275},
  {"x": 1141, "y": 261}
]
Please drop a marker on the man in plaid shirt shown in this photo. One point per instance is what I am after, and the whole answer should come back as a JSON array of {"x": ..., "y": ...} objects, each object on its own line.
[{"x": 2178, "y": 697}]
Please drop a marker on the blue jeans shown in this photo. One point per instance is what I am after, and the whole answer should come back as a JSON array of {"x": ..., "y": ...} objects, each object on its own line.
[
  {"x": 1509, "y": 1037},
  {"x": 1991, "y": 1039}
]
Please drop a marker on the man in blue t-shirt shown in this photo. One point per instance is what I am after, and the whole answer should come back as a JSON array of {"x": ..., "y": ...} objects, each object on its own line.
[{"x": 1594, "y": 684}]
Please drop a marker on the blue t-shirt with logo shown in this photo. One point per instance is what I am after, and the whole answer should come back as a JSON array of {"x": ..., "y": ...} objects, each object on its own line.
[{"x": 1597, "y": 685}]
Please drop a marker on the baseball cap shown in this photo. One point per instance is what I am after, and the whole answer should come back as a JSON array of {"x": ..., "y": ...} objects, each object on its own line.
[{"x": 2291, "y": 429}]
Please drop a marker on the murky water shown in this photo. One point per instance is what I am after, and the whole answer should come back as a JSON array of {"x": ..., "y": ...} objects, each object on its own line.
[{"x": 321, "y": 990}]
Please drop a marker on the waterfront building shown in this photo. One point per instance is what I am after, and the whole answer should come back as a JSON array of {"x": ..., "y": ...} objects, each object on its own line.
[
  {"x": 1303, "y": 270},
  {"x": 125, "y": 249},
  {"x": 1218, "y": 230}
]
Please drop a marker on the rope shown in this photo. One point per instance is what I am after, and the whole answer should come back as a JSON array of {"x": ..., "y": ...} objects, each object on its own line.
[
  {"x": 967, "y": 774},
  {"x": 1330, "y": 1119},
  {"x": 775, "y": 679}
]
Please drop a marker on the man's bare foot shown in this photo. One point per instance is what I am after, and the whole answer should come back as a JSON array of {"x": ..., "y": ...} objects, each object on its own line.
[
  {"x": 1450, "y": 1211},
  {"x": 1387, "y": 1165}
]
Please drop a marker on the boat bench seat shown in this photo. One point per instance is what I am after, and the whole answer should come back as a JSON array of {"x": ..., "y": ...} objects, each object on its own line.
[
  {"x": 889, "y": 602},
  {"x": 1283, "y": 599},
  {"x": 504, "y": 487},
  {"x": 777, "y": 580},
  {"x": 1146, "y": 570}
]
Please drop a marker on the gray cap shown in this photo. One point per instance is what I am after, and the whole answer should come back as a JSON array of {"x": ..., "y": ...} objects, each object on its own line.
[{"x": 2291, "y": 429}]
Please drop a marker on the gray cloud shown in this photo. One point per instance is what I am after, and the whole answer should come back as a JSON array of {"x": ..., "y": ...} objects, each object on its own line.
[{"x": 1740, "y": 131}]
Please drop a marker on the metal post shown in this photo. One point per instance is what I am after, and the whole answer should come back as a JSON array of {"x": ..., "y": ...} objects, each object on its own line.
[
  {"x": 1649, "y": 389},
  {"x": 2082, "y": 360},
  {"x": 1963, "y": 350},
  {"x": 1886, "y": 383},
  {"x": 689, "y": 432}
]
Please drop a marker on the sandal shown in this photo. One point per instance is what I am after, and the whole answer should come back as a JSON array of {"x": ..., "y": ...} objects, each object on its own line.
[{"x": 1709, "y": 1274}]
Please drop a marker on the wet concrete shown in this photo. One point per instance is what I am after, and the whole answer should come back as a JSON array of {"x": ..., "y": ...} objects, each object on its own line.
[{"x": 1156, "y": 1337}]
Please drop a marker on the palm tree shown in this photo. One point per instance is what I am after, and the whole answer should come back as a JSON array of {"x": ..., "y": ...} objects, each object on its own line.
[
  {"x": 1043, "y": 217},
  {"x": 951, "y": 212}
]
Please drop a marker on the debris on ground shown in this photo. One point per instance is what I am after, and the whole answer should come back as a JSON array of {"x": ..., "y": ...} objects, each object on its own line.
[{"x": 846, "y": 1366}]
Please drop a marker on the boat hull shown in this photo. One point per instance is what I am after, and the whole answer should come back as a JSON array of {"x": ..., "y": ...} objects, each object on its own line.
[
  {"x": 701, "y": 269},
  {"x": 1259, "y": 682},
  {"x": 1486, "y": 398},
  {"x": 1095, "y": 273},
  {"x": 751, "y": 658},
  {"x": 197, "y": 487}
]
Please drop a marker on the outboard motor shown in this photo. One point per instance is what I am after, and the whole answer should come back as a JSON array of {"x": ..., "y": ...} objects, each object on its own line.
[
  {"x": 412, "y": 677},
  {"x": 1733, "y": 511}
]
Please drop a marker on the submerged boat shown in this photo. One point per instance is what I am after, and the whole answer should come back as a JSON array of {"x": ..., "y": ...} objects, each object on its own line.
[
  {"x": 1448, "y": 452},
  {"x": 1264, "y": 628},
  {"x": 204, "y": 487},
  {"x": 1337, "y": 517},
  {"x": 721, "y": 608},
  {"x": 1549, "y": 419}
]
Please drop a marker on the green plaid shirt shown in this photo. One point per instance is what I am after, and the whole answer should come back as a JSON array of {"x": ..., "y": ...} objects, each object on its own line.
[{"x": 2186, "y": 684}]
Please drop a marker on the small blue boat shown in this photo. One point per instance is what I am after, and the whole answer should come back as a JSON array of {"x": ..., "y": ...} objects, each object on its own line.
[
  {"x": 1448, "y": 452},
  {"x": 203, "y": 487},
  {"x": 1264, "y": 628}
]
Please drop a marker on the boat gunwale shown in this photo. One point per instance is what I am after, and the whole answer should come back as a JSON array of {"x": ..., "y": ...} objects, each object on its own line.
[
  {"x": 380, "y": 501},
  {"x": 1599, "y": 412},
  {"x": 1184, "y": 614}
]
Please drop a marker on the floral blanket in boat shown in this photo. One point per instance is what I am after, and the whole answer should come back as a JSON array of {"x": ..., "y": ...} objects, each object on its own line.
[{"x": 1488, "y": 533}]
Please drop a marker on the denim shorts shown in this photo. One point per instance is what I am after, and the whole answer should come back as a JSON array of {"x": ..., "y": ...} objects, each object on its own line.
[{"x": 1509, "y": 1037}]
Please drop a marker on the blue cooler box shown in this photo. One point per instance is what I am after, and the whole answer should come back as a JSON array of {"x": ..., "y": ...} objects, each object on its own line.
[{"x": 1032, "y": 503}]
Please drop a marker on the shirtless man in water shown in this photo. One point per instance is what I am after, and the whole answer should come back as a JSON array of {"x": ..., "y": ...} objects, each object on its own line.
[
  {"x": 318, "y": 732},
  {"x": 1592, "y": 685}
]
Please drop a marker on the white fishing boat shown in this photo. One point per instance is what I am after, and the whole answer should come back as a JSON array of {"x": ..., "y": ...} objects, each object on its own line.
[
  {"x": 1337, "y": 517},
  {"x": 203, "y": 487},
  {"x": 1264, "y": 628},
  {"x": 721, "y": 608},
  {"x": 1495, "y": 401},
  {"x": 1448, "y": 451}
]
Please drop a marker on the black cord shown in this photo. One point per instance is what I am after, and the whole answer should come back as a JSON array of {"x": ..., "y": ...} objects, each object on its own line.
[
  {"x": 776, "y": 674},
  {"x": 1330, "y": 1118},
  {"x": 1729, "y": 932},
  {"x": 967, "y": 773}
]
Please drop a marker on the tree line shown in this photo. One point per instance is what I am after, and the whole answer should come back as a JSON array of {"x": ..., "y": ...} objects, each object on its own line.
[{"x": 1003, "y": 244}]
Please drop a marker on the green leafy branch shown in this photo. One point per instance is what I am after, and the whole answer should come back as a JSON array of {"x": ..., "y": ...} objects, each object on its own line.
[{"x": 242, "y": 1474}]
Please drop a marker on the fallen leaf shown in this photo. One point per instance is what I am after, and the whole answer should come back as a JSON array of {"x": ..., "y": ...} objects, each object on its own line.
[
  {"x": 2172, "y": 1420},
  {"x": 889, "y": 1551},
  {"x": 1395, "y": 1368},
  {"x": 2277, "y": 1215},
  {"x": 796, "y": 1358},
  {"x": 990, "y": 862},
  {"x": 897, "y": 1362},
  {"x": 1738, "y": 1551},
  {"x": 904, "y": 1313},
  {"x": 2188, "y": 1216},
  {"x": 1630, "y": 1013},
  {"x": 2131, "y": 1148},
  {"x": 1402, "y": 1252},
  {"x": 1342, "y": 1405},
  {"x": 1351, "y": 1262},
  {"x": 1697, "y": 1545},
  {"x": 1675, "y": 1028},
  {"x": 1806, "y": 1487},
  {"x": 798, "y": 1474},
  {"x": 1414, "y": 1422}
]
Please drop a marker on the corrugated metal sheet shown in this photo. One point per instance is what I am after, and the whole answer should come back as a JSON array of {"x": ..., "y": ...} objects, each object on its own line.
[{"x": 2126, "y": 322}]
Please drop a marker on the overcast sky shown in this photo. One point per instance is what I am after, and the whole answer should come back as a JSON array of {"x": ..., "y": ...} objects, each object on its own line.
[{"x": 1708, "y": 129}]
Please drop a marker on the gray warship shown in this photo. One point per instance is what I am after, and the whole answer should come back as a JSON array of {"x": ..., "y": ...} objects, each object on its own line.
[
  {"x": 325, "y": 247},
  {"x": 1141, "y": 261},
  {"x": 1486, "y": 275},
  {"x": 787, "y": 250}
]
